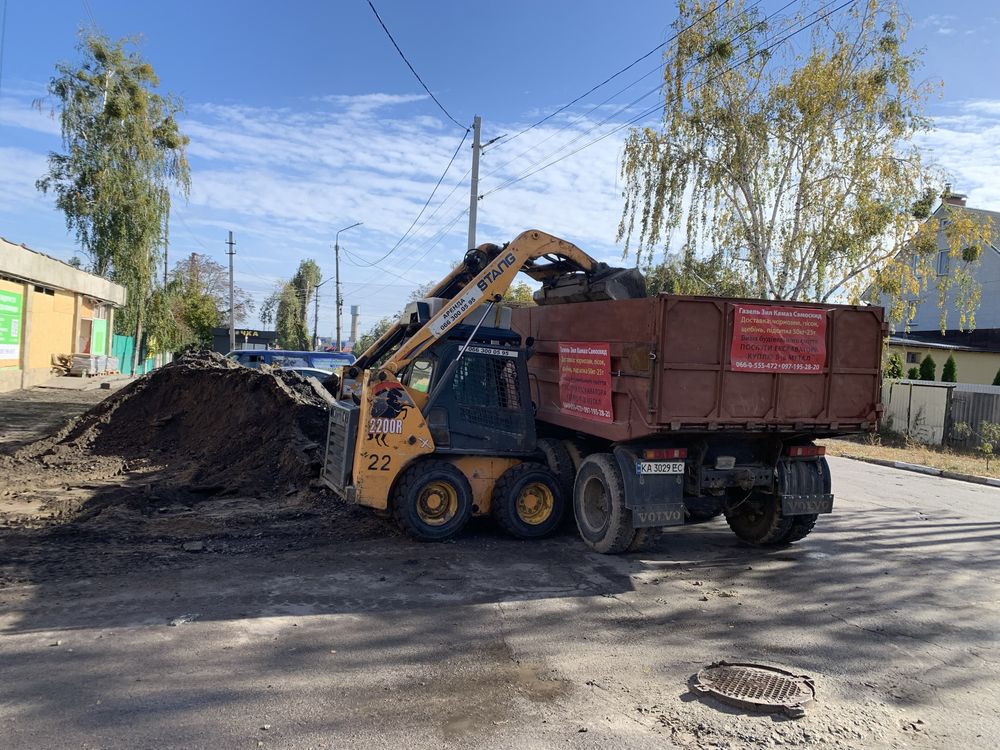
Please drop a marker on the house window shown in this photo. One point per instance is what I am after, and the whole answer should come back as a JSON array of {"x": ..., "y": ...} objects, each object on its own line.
[
  {"x": 943, "y": 262},
  {"x": 913, "y": 358},
  {"x": 45, "y": 290}
]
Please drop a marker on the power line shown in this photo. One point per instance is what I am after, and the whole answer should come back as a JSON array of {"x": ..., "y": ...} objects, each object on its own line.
[
  {"x": 658, "y": 105},
  {"x": 415, "y": 74},
  {"x": 600, "y": 104},
  {"x": 613, "y": 76},
  {"x": 426, "y": 203}
]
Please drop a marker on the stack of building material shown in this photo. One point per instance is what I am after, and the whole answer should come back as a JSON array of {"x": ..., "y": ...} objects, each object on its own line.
[
  {"x": 84, "y": 365},
  {"x": 113, "y": 364}
]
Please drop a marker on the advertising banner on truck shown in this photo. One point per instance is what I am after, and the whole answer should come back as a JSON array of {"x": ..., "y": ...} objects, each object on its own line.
[
  {"x": 771, "y": 338},
  {"x": 10, "y": 325},
  {"x": 585, "y": 379}
]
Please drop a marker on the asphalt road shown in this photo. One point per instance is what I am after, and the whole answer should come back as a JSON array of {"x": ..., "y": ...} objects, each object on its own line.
[{"x": 891, "y": 606}]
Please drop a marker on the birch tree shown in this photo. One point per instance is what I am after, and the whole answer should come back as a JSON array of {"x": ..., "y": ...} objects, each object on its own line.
[
  {"x": 792, "y": 163},
  {"x": 122, "y": 152}
]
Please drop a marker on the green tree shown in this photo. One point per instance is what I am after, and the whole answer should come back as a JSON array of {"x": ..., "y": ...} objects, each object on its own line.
[
  {"x": 200, "y": 276},
  {"x": 372, "y": 335},
  {"x": 796, "y": 163},
  {"x": 894, "y": 368},
  {"x": 949, "y": 373},
  {"x": 928, "y": 368},
  {"x": 996, "y": 378},
  {"x": 913, "y": 373},
  {"x": 287, "y": 307},
  {"x": 520, "y": 294},
  {"x": 123, "y": 151}
]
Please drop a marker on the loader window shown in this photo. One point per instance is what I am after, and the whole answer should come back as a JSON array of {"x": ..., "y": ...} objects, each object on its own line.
[
  {"x": 486, "y": 382},
  {"x": 419, "y": 376}
]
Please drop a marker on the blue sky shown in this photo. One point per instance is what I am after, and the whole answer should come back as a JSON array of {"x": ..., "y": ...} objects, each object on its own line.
[{"x": 304, "y": 120}]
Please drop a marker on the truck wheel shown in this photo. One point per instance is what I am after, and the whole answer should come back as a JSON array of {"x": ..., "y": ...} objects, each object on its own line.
[
  {"x": 801, "y": 526},
  {"x": 559, "y": 460},
  {"x": 576, "y": 452},
  {"x": 599, "y": 505},
  {"x": 758, "y": 520},
  {"x": 528, "y": 501},
  {"x": 700, "y": 516},
  {"x": 432, "y": 501}
]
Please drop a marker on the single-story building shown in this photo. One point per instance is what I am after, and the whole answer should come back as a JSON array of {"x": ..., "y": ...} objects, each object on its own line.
[
  {"x": 49, "y": 307},
  {"x": 246, "y": 338},
  {"x": 976, "y": 353}
]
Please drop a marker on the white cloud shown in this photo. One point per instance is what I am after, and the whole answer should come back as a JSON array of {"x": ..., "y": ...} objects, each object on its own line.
[{"x": 967, "y": 146}]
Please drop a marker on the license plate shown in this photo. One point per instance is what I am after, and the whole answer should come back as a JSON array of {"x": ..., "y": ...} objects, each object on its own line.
[{"x": 659, "y": 467}]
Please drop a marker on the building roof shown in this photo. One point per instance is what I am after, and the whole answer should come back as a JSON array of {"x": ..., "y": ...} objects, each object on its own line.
[
  {"x": 986, "y": 340},
  {"x": 27, "y": 264}
]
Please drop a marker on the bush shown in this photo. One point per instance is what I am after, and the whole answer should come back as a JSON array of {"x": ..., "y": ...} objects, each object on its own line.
[
  {"x": 949, "y": 373},
  {"x": 928, "y": 368},
  {"x": 914, "y": 374},
  {"x": 894, "y": 368}
]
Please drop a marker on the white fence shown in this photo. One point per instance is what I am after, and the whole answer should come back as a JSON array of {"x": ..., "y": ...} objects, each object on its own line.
[{"x": 928, "y": 411}]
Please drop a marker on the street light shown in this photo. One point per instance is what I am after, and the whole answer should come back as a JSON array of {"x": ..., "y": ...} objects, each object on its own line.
[{"x": 336, "y": 255}]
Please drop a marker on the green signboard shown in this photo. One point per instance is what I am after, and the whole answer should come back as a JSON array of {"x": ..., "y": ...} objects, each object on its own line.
[
  {"x": 10, "y": 325},
  {"x": 99, "y": 336}
]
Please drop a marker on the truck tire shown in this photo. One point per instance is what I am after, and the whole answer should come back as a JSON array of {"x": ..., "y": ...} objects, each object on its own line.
[
  {"x": 801, "y": 526},
  {"x": 432, "y": 501},
  {"x": 758, "y": 520},
  {"x": 576, "y": 452},
  {"x": 599, "y": 505},
  {"x": 701, "y": 516},
  {"x": 528, "y": 501},
  {"x": 559, "y": 460}
]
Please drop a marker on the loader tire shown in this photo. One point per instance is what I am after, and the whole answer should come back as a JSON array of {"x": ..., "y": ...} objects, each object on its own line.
[
  {"x": 559, "y": 460},
  {"x": 599, "y": 505},
  {"x": 432, "y": 501},
  {"x": 528, "y": 501},
  {"x": 758, "y": 520}
]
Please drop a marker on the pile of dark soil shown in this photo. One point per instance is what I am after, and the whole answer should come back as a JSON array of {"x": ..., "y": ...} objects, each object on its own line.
[{"x": 202, "y": 425}]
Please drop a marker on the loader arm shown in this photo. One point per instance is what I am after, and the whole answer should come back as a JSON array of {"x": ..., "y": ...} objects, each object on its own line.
[
  {"x": 490, "y": 284},
  {"x": 485, "y": 274}
]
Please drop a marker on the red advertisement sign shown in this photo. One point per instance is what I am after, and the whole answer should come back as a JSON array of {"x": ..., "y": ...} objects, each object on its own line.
[
  {"x": 585, "y": 379},
  {"x": 769, "y": 338}
]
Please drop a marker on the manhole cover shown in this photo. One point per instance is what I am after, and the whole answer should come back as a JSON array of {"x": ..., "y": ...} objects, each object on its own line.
[{"x": 756, "y": 686}]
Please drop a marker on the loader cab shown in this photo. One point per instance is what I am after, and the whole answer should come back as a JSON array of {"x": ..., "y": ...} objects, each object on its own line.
[{"x": 483, "y": 404}]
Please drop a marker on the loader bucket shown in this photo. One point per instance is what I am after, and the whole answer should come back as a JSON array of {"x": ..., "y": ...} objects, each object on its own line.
[{"x": 604, "y": 284}]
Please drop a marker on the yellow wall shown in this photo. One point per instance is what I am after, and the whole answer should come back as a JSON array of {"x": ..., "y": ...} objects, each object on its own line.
[
  {"x": 51, "y": 326},
  {"x": 972, "y": 367},
  {"x": 10, "y": 286}
]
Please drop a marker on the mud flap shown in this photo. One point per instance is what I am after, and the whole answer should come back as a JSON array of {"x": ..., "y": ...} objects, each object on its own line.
[
  {"x": 802, "y": 505},
  {"x": 654, "y": 499},
  {"x": 804, "y": 487}
]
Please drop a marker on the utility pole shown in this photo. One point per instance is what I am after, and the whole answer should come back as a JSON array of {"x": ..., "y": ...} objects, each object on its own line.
[
  {"x": 474, "y": 192},
  {"x": 232, "y": 312},
  {"x": 316, "y": 320},
  {"x": 336, "y": 260}
]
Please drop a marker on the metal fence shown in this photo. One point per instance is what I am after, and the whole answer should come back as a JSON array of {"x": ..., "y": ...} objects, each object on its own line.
[{"x": 930, "y": 412}]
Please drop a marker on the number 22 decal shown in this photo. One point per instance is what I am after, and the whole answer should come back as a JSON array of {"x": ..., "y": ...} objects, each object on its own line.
[{"x": 373, "y": 463}]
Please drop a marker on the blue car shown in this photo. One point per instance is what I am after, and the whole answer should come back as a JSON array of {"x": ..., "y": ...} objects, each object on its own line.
[{"x": 328, "y": 361}]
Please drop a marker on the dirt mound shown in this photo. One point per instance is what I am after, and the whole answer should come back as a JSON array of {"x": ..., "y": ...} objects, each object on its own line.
[{"x": 201, "y": 425}]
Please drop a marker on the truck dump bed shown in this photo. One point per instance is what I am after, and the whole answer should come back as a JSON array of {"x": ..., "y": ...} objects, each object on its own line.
[{"x": 629, "y": 369}]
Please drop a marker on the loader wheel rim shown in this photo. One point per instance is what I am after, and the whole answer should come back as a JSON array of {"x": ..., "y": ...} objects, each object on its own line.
[
  {"x": 595, "y": 503},
  {"x": 535, "y": 502},
  {"x": 437, "y": 503}
]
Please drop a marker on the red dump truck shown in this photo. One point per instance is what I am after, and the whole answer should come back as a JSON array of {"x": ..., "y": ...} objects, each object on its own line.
[{"x": 671, "y": 409}]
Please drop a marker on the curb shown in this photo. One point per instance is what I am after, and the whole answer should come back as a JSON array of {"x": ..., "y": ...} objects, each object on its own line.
[{"x": 929, "y": 470}]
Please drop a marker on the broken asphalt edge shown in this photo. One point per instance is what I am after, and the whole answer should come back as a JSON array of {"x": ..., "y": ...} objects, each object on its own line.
[{"x": 929, "y": 470}]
